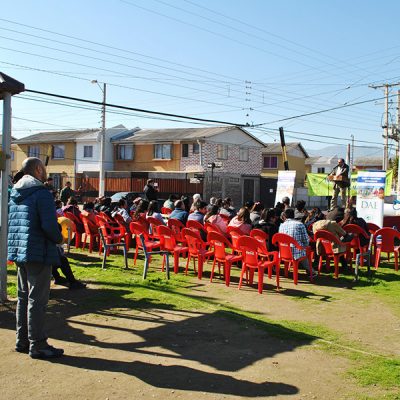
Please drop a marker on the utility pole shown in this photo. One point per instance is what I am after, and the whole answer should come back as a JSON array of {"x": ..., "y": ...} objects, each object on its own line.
[
  {"x": 102, "y": 177},
  {"x": 386, "y": 87},
  {"x": 398, "y": 144},
  {"x": 8, "y": 87}
]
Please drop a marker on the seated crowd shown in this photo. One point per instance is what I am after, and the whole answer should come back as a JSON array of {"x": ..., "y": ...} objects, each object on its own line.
[{"x": 297, "y": 222}]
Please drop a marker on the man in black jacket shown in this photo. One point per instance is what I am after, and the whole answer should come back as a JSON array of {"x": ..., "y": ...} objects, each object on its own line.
[
  {"x": 340, "y": 176},
  {"x": 150, "y": 191}
]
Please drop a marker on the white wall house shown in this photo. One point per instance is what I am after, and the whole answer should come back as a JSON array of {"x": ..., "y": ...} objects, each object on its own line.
[
  {"x": 88, "y": 149},
  {"x": 321, "y": 164}
]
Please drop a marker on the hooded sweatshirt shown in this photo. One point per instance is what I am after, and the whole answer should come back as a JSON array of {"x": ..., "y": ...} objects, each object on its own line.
[{"x": 33, "y": 232}]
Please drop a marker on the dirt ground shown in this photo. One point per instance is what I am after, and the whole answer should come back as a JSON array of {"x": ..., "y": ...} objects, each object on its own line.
[{"x": 147, "y": 353}]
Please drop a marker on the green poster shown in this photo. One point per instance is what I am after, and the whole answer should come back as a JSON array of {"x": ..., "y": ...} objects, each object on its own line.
[{"x": 318, "y": 185}]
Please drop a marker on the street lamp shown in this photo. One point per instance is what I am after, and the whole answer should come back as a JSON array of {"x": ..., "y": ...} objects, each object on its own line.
[{"x": 102, "y": 139}]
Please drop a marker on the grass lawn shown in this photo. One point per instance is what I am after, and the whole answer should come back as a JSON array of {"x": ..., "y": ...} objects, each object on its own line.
[{"x": 375, "y": 368}]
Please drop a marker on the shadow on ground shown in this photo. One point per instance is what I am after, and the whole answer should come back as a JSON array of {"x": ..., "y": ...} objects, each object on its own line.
[{"x": 225, "y": 341}]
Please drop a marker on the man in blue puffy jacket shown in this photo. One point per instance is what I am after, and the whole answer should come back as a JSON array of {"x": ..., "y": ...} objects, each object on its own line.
[{"x": 32, "y": 238}]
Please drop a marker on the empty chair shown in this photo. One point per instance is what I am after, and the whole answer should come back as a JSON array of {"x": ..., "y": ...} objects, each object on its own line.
[
  {"x": 220, "y": 244},
  {"x": 168, "y": 244},
  {"x": 142, "y": 239},
  {"x": 197, "y": 250},
  {"x": 386, "y": 245},
  {"x": 251, "y": 262}
]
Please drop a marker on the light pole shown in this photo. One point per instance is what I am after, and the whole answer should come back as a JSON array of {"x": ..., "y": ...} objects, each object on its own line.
[{"x": 102, "y": 177}]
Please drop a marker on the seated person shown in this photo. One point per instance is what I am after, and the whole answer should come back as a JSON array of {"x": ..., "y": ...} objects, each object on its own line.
[
  {"x": 255, "y": 213},
  {"x": 153, "y": 211},
  {"x": 214, "y": 218},
  {"x": 169, "y": 203},
  {"x": 72, "y": 207},
  {"x": 88, "y": 211},
  {"x": 350, "y": 217},
  {"x": 121, "y": 209},
  {"x": 242, "y": 221},
  {"x": 270, "y": 225},
  {"x": 67, "y": 271},
  {"x": 179, "y": 212},
  {"x": 59, "y": 208},
  {"x": 300, "y": 213},
  {"x": 200, "y": 209}
]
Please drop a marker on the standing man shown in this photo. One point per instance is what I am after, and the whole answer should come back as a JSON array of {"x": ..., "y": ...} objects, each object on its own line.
[
  {"x": 32, "y": 244},
  {"x": 340, "y": 175},
  {"x": 66, "y": 193},
  {"x": 150, "y": 191}
]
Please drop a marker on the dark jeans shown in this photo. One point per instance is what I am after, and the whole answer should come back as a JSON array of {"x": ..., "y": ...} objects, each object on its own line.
[
  {"x": 65, "y": 269},
  {"x": 33, "y": 296}
]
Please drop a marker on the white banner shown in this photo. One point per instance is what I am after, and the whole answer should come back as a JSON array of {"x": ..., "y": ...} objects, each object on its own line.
[
  {"x": 371, "y": 196},
  {"x": 285, "y": 186}
]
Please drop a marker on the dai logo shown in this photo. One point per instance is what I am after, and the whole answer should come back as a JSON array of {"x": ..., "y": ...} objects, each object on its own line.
[{"x": 369, "y": 204}]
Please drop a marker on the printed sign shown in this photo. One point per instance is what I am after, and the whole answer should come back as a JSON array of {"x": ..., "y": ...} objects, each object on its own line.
[
  {"x": 371, "y": 195},
  {"x": 285, "y": 186}
]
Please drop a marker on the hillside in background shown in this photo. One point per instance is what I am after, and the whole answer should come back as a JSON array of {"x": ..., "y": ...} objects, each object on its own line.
[{"x": 341, "y": 150}]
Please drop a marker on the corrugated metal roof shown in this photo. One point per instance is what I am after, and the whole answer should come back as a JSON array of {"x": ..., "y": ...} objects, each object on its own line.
[{"x": 61, "y": 136}]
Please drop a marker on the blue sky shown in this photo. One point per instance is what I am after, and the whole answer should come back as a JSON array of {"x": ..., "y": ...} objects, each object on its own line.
[{"x": 254, "y": 62}]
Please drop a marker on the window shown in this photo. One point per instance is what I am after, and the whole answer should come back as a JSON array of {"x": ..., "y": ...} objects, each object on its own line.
[
  {"x": 185, "y": 150},
  {"x": 222, "y": 151},
  {"x": 270, "y": 162},
  {"x": 87, "y": 151},
  {"x": 125, "y": 152},
  {"x": 243, "y": 154},
  {"x": 321, "y": 170},
  {"x": 58, "y": 152},
  {"x": 196, "y": 148},
  {"x": 162, "y": 151},
  {"x": 33, "y": 151},
  {"x": 12, "y": 155}
]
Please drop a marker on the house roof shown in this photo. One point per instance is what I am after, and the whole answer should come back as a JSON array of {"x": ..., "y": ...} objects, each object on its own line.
[
  {"x": 368, "y": 161},
  {"x": 61, "y": 136},
  {"x": 275, "y": 148},
  {"x": 321, "y": 160},
  {"x": 180, "y": 134}
]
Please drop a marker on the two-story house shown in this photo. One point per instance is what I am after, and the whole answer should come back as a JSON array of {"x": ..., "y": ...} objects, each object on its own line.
[
  {"x": 189, "y": 153},
  {"x": 69, "y": 154},
  {"x": 273, "y": 162}
]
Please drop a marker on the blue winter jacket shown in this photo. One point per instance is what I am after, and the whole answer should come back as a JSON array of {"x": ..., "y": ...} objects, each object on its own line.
[{"x": 33, "y": 231}]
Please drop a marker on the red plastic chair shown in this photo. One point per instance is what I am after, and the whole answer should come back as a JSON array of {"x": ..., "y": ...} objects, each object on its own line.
[
  {"x": 262, "y": 238},
  {"x": 219, "y": 244},
  {"x": 76, "y": 221},
  {"x": 327, "y": 239},
  {"x": 124, "y": 231},
  {"x": 153, "y": 224},
  {"x": 91, "y": 232},
  {"x": 354, "y": 246},
  {"x": 197, "y": 250},
  {"x": 372, "y": 228},
  {"x": 197, "y": 226},
  {"x": 177, "y": 226},
  {"x": 139, "y": 229},
  {"x": 212, "y": 228},
  {"x": 251, "y": 262},
  {"x": 166, "y": 210},
  {"x": 285, "y": 242},
  {"x": 168, "y": 244},
  {"x": 387, "y": 245},
  {"x": 109, "y": 241}
]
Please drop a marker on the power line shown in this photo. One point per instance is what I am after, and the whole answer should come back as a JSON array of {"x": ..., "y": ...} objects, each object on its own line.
[{"x": 133, "y": 109}]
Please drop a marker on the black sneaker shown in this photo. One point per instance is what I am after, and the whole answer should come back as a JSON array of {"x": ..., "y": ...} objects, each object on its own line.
[
  {"x": 22, "y": 349},
  {"x": 77, "y": 285},
  {"x": 47, "y": 352},
  {"x": 60, "y": 281}
]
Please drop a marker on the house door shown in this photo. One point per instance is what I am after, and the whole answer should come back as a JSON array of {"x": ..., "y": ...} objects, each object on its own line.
[
  {"x": 268, "y": 191},
  {"x": 248, "y": 190}
]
